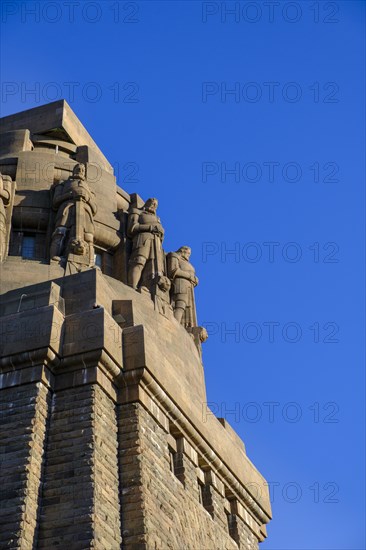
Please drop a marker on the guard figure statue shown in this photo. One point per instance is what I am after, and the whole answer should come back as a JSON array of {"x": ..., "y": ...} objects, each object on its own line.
[
  {"x": 182, "y": 274},
  {"x": 147, "y": 234},
  {"x": 76, "y": 207},
  {"x": 4, "y": 203}
]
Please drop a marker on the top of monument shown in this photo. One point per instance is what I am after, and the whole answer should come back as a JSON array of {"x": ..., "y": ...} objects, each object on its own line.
[{"x": 56, "y": 120}]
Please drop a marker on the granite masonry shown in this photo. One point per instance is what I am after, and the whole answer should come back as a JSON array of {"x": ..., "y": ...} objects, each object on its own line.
[{"x": 106, "y": 439}]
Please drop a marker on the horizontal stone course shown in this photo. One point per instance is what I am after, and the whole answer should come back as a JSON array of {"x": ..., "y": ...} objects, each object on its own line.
[
  {"x": 164, "y": 510},
  {"x": 103, "y": 437},
  {"x": 72, "y": 485}
]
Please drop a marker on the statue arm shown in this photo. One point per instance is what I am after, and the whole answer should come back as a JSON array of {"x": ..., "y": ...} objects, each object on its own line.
[
  {"x": 142, "y": 228},
  {"x": 173, "y": 266},
  {"x": 93, "y": 203},
  {"x": 59, "y": 197},
  {"x": 186, "y": 275},
  {"x": 176, "y": 272},
  {"x": 180, "y": 274},
  {"x": 135, "y": 227},
  {"x": 4, "y": 191},
  {"x": 5, "y": 196}
]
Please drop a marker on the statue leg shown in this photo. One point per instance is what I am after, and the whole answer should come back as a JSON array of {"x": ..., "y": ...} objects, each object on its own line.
[
  {"x": 179, "y": 308},
  {"x": 89, "y": 239},
  {"x": 57, "y": 243},
  {"x": 137, "y": 264}
]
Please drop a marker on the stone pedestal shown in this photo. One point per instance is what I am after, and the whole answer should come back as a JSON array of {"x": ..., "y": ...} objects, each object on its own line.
[{"x": 104, "y": 441}]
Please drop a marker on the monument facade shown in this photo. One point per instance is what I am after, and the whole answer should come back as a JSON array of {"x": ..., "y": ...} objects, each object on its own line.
[{"x": 107, "y": 441}]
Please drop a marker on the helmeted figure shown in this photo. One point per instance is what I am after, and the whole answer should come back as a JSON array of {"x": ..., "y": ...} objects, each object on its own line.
[
  {"x": 147, "y": 233},
  {"x": 4, "y": 203},
  {"x": 76, "y": 207},
  {"x": 182, "y": 274}
]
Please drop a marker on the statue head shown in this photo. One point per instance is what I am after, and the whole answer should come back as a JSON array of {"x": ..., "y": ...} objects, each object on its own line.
[
  {"x": 78, "y": 172},
  {"x": 78, "y": 247},
  {"x": 185, "y": 252},
  {"x": 163, "y": 282},
  {"x": 151, "y": 205},
  {"x": 203, "y": 335}
]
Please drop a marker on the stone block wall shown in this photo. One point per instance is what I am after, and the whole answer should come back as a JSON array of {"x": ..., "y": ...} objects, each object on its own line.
[
  {"x": 80, "y": 503},
  {"x": 81, "y": 472},
  {"x": 24, "y": 412},
  {"x": 98, "y": 448},
  {"x": 161, "y": 492},
  {"x": 103, "y": 443}
]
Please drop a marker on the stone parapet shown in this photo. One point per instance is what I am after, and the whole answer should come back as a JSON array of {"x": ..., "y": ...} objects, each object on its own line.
[
  {"x": 119, "y": 451},
  {"x": 107, "y": 441}
]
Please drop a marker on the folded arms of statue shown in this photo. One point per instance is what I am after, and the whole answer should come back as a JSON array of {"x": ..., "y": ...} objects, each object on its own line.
[{"x": 135, "y": 227}]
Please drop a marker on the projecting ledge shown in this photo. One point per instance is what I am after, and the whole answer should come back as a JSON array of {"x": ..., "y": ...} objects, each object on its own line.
[{"x": 157, "y": 384}]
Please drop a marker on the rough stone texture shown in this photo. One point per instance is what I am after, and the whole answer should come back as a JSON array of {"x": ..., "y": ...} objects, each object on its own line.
[
  {"x": 54, "y": 116},
  {"x": 159, "y": 511},
  {"x": 23, "y": 420},
  {"x": 107, "y": 442},
  {"x": 80, "y": 496},
  {"x": 154, "y": 377}
]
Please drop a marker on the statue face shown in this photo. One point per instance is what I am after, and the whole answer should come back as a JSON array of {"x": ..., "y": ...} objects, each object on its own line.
[
  {"x": 185, "y": 252},
  {"x": 151, "y": 205},
  {"x": 79, "y": 171}
]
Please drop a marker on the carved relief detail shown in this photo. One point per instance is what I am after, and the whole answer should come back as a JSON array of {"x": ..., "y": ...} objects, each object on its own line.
[
  {"x": 7, "y": 189},
  {"x": 75, "y": 206}
]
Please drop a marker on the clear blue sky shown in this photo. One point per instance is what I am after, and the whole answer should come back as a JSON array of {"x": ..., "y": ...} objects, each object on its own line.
[{"x": 149, "y": 80}]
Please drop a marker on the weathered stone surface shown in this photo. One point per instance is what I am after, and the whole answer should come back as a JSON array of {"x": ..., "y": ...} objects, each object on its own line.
[
  {"x": 59, "y": 118},
  {"x": 7, "y": 191},
  {"x": 106, "y": 439},
  {"x": 80, "y": 492},
  {"x": 75, "y": 206},
  {"x": 24, "y": 415},
  {"x": 15, "y": 141},
  {"x": 159, "y": 508}
]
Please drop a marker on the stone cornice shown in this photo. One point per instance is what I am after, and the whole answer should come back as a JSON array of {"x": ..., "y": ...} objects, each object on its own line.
[
  {"x": 143, "y": 378},
  {"x": 45, "y": 356}
]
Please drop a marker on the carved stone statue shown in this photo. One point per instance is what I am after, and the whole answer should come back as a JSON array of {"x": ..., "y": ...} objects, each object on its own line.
[
  {"x": 182, "y": 274},
  {"x": 147, "y": 233},
  {"x": 4, "y": 203},
  {"x": 76, "y": 207}
]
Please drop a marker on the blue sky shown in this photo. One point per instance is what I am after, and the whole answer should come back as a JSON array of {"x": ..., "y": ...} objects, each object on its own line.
[{"x": 249, "y": 128}]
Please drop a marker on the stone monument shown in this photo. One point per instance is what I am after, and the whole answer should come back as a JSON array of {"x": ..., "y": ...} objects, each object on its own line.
[
  {"x": 75, "y": 204},
  {"x": 107, "y": 439},
  {"x": 6, "y": 196}
]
